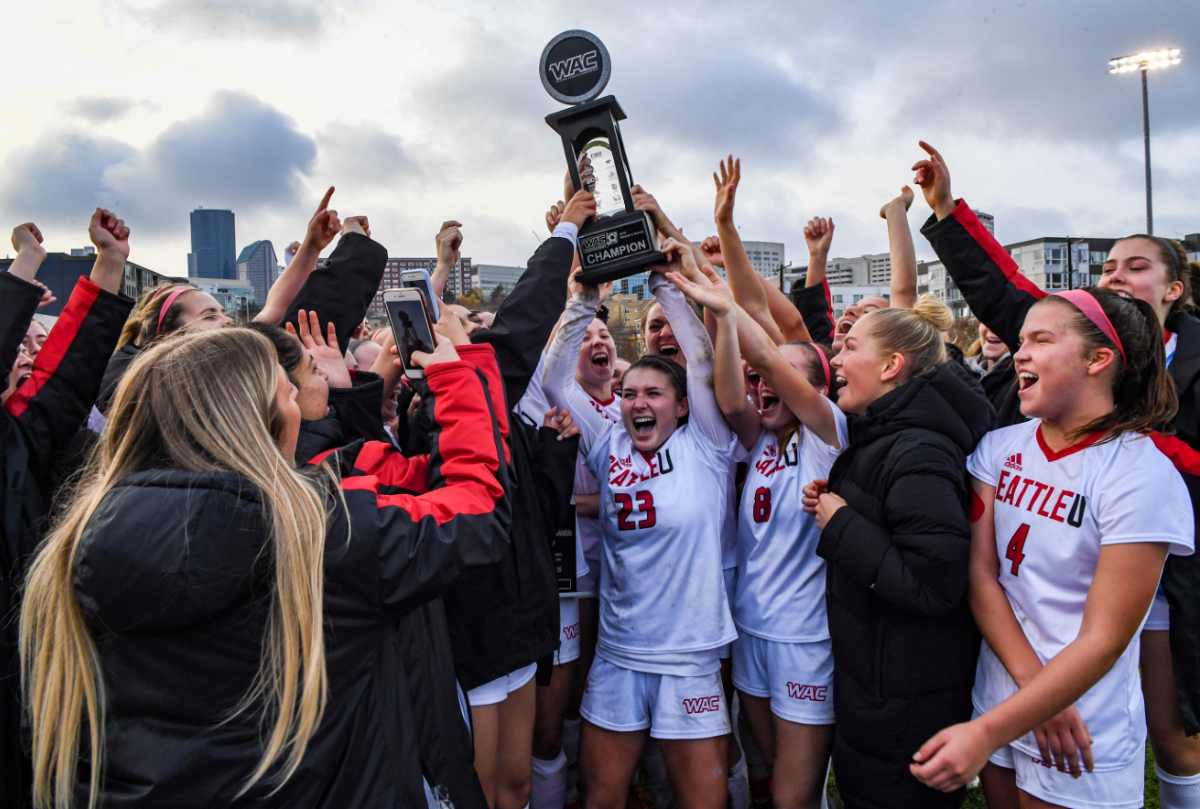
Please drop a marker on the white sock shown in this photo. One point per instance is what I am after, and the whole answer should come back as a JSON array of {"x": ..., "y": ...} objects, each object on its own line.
[
  {"x": 549, "y": 782},
  {"x": 656, "y": 770},
  {"x": 739, "y": 786},
  {"x": 570, "y": 748},
  {"x": 1177, "y": 791},
  {"x": 825, "y": 786}
]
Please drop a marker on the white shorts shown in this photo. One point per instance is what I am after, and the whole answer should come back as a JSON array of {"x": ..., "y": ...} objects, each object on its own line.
[
  {"x": 797, "y": 677},
  {"x": 730, "y": 573},
  {"x": 1160, "y": 615},
  {"x": 568, "y": 631},
  {"x": 499, "y": 689},
  {"x": 1114, "y": 789},
  {"x": 672, "y": 707}
]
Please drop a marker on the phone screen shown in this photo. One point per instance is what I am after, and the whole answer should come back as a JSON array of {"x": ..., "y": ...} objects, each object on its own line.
[
  {"x": 417, "y": 281},
  {"x": 410, "y": 327}
]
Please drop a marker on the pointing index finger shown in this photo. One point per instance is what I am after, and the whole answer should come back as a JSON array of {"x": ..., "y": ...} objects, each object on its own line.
[{"x": 325, "y": 200}]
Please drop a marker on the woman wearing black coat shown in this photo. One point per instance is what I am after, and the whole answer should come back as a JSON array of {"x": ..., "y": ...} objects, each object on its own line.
[
  {"x": 896, "y": 539},
  {"x": 208, "y": 622}
]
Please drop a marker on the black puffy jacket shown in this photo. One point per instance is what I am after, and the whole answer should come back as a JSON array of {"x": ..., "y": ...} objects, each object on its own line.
[
  {"x": 1000, "y": 296},
  {"x": 904, "y": 642},
  {"x": 174, "y": 583},
  {"x": 816, "y": 309},
  {"x": 38, "y": 422}
]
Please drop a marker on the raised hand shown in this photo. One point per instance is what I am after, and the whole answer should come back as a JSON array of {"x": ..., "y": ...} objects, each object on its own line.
[
  {"x": 554, "y": 215},
  {"x": 27, "y": 237},
  {"x": 934, "y": 179},
  {"x": 356, "y": 224},
  {"x": 644, "y": 201},
  {"x": 716, "y": 296},
  {"x": 325, "y": 352},
  {"x": 562, "y": 422},
  {"x": 109, "y": 234},
  {"x": 711, "y": 248},
  {"x": 818, "y": 235},
  {"x": 448, "y": 241},
  {"x": 47, "y": 296},
  {"x": 900, "y": 203},
  {"x": 444, "y": 351},
  {"x": 727, "y": 183},
  {"x": 574, "y": 287},
  {"x": 681, "y": 260},
  {"x": 323, "y": 226},
  {"x": 580, "y": 208},
  {"x": 450, "y": 326}
]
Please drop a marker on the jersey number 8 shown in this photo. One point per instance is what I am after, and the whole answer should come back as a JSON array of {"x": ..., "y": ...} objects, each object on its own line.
[
  {"x": 645, "y": 506},
  {"x": 762, "y": 504}
]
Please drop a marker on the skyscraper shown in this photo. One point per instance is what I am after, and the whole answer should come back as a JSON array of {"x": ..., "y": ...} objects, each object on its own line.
[
  {"x": 214, "y": 254},
  {"x": 257, "y": 265}
]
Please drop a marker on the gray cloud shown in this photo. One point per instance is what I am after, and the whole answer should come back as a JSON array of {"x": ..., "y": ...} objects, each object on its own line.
[
  {"x": 238, "y": 153},
  {"x": 101, "y": 109},
  {"x": 241, "y": 18},
  {"x": 364, "y": 154}
]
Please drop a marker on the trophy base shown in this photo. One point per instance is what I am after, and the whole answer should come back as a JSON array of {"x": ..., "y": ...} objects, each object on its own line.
[{"x": 617, "y": 247}]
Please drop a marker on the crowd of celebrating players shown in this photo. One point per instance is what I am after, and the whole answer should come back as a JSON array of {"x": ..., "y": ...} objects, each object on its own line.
[{"x": 283, "y": 563}]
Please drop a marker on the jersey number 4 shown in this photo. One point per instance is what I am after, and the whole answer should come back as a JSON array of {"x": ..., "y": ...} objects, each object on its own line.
[
  {"x": 1016, "y": 549},
  {"x": 645, "y": 507}
]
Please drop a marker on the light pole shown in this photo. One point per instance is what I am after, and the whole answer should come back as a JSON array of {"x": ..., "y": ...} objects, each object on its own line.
[{"x": 1145, "y": 62}]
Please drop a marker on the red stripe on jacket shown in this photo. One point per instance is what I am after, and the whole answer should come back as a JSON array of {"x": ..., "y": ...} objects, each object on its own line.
[
  {"x": 483, "y": 357},
  {"x": 56, "y": 346},
  {"x": 466, "y": 444},
  {"x": 996, "y": 252}
]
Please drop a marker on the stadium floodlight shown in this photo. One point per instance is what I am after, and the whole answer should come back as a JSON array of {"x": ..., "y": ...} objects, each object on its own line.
[{"x": 1145, "y": 62}]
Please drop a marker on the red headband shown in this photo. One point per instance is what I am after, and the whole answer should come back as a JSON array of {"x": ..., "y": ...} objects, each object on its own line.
[
  {"x": 1087, "y": 303},
  {"x": 162, "y": 313},
  {"x": 824, "y": 367}
]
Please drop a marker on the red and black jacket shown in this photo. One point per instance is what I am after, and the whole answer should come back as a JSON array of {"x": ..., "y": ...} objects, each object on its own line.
[
  {"x": 174, "y": 574},
  {"x": 815, "y": 305},
  {"x": 38, "y": 422},
  {"x": 1000, "y": 296}
]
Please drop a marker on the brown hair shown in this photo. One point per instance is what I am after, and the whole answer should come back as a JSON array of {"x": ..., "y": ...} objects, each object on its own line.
[
  {"x": 1174, "y": 255},
  {"x": 1144, "y": 395},
  {"x": 816, "y": 368},
  {"x": 199, "y": 402},
  {"x": 915, "y": 333},
  {"x": 142, "y": 328}
]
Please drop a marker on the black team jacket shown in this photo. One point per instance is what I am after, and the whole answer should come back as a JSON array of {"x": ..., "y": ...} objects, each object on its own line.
[
  {"x": 816, "y": 309},
  {"x": 180, "y": 634},
  {"x": 1000, "y": 296},
  {"x": 38, "y": 422},
  {"x": 504, "y": 618},
  {"x": 904, "y": 642}
]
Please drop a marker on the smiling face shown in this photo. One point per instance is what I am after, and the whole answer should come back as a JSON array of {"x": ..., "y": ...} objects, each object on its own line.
[
  {"x": 650, "y": 408},
  {"x": 1135, "y": 269},
  {"x": 993, "y": 347},
  {"x": 35, "y": 336},
  {"x": 597, "y": 358},
  {"x": 862, "y": 368},
  {"x": 775, "y": 414},
  {"x": 660, "y": 339},
  {"x": 852, "y": 315},
  {"x": 620, "y": 366},
  {"x": 1055, "y": 370}
]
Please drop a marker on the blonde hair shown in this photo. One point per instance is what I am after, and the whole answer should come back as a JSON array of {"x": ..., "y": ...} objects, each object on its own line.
[
  {"x": 197, "y": 402},
  {"x": 918, "y": 333}
]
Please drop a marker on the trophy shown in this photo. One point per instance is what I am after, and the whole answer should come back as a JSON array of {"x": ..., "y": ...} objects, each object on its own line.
[{"x": 621, "y": 241}]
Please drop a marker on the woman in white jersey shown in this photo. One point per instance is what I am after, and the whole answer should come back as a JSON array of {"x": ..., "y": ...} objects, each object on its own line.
[
  {"x": 663, "y": 609},
  {"x": 1074, "y": 503},
  {"x": 782, "y": 659}
]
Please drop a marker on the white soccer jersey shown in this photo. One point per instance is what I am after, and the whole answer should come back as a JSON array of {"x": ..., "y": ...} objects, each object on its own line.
[
  {"x": 781, "y": 580},
  {"x": 1053, "y": 513},
  {"x": 662, "y": 592}
]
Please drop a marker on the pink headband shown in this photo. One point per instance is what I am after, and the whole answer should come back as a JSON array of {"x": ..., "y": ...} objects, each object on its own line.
[
  {"x": 1086, "y": 303},
  {"x": 824, "y": 367},
  {"x": 162, "y": 313}
]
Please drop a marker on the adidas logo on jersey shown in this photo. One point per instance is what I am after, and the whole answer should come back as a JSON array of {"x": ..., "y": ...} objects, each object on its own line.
[
  {"x": 814, "y": 693},
  {"x": 702, "y": 704},
  {"x": 1014, "y": 462}
]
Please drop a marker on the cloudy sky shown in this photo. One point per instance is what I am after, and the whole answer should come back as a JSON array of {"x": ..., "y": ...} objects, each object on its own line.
[{"x": 420, "y": 112}]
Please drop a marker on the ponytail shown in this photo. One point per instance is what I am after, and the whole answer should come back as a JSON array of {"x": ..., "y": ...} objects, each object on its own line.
[
  {"x": 917, "y": 333},
  {"x": 1144, "y": 395}
]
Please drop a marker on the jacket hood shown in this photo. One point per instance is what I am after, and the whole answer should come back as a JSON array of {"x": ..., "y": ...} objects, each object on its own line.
[
  {"x": 166, "y": 548},
  {"x": 945, "y": 399}
]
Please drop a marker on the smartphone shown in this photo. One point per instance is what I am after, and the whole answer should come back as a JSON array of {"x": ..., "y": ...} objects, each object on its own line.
[
  {"x": 419, "y": 279},
  {"x": 408, "y": 312}
]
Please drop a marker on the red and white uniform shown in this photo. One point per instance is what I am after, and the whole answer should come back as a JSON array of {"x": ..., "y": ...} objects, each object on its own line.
[
  {"x": 1053, "y": 513},
  {"x": 664, "y": 612}
]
